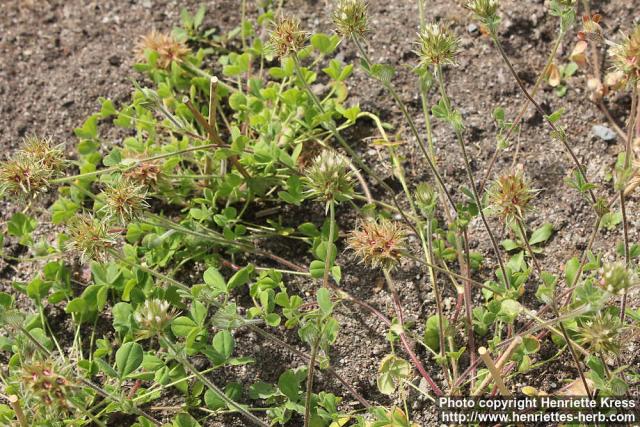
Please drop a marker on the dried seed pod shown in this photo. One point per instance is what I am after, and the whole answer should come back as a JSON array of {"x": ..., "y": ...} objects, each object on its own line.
[{"x": 626, "y": 55}]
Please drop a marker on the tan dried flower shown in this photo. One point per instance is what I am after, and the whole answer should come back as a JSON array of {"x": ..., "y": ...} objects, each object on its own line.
[
  {"x": 166, "y": 46},
  {"x": 509, "y": 196},
  {"x": 286, "y": 37},
  {"x": 379, "y": 243}
]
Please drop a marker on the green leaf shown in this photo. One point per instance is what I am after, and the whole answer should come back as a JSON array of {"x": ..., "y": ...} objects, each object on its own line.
[
  {"x": 316, "y": 269},
  {"x": 185, "y": 420},
  {"x": 391, "y": 372},
  {"x": 76, "y": 305},
  {"x": 182, "y": 326},
  {"x": 223, "y": 344},
  {"x": 21, "y": 225},
  {"x": 213, "y": 278},
  {"x": 128, "y": 358},
  {"x": 324, "y": 43},
  {"x": 557, "y": 115},
  {"x": 289, "y": 385},
  {"x": 571, "y": 270},
  {"x": 541, "y": 234},
  {"x": 324, "y": 301},
  {"x": 509, "y": 310},
  {"x": 63, "y": 209},
  {"x": 89, "y": 130},
  {"x": 240, "y": 278}
]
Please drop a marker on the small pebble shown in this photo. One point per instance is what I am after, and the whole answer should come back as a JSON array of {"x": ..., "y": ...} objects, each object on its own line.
[
  {"x": 603, "y": 132},
  {"x": 472, "y": 29}
]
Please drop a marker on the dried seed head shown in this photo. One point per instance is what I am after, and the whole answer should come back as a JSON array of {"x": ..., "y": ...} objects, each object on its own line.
[
  {"x": 509, "y": 196},
  {"x": 328, "y": 177},
  {"x": 90, "y": 238},
  {"x": 124, "y": 200},
  {"x": 616, "y": 278},
  {"x": 168, "y": 48},
  {"x": 379, "y": 243},
  {"x": 153, "y": 317},
  {"x": 350, "y": 18},
  {"x": 22, "y": 176},
  {"x": 626, "y": 55},
  {"x": 43, "y": 151},
  {"x": 426, "y": 199},
  {"x": 486, "y": 11},
  {"x": 438, "y": 45},
  {"x": 146, "y": 174},
  {"x": 591, "y": 29},
  {"x": 601, "y": 334},
  {"x": 48, "y": 384},
  {"x": 29, "y": 171},
  {"x": 287, "y": 37}
]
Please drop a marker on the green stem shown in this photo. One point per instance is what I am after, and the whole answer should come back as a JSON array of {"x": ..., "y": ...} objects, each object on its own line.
[
  {"x": 627, "y": 164},
  {"x": 474, "y": 190},
  {"x": 338, "y": 136},
  {"x": 560, "y": 134},
  {"x": 329, "y": 252},
  {"x": 403, "y": 108},
  {"x": 207, "y": 382},
  {"x": 132, "y": 166},
  {"x": 310, "y": 374},
  {"x": 523, "y": 108}
]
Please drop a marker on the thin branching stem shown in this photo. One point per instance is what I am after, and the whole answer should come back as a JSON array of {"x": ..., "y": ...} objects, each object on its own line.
[
  {"x": 627, "y": 165},
  {"x": 474, "y": 190},
  {"x": 559, "y": 134}
]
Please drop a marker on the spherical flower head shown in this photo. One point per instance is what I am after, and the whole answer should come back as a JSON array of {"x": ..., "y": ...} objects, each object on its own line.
[
  {"x": 616, "y": 278},
  {"x": 90, "y": 239},
  {"x": 166, "y": 46},
  {"x": 43, "y": 378},
  {"x": 626, "y": 55},
  {"x": 350, "y": 18},
  {"x": 328, "y": 178},
  {"x": 286, "y": 37},
  {"x": 22, "y": 176},
  {"x": 601, "y": 334},
  {"x": 510, "y": 196},
  {"x": 43, "y": 151},
  {"x": 146, "y": 174},
  {"x": 153, "y": 317},
  {"x": 379, "y": 243},
  {"x": 124, "y": 200},
  {"x": 486, "y": 11},
  {"x": 438, "y": 45}
]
